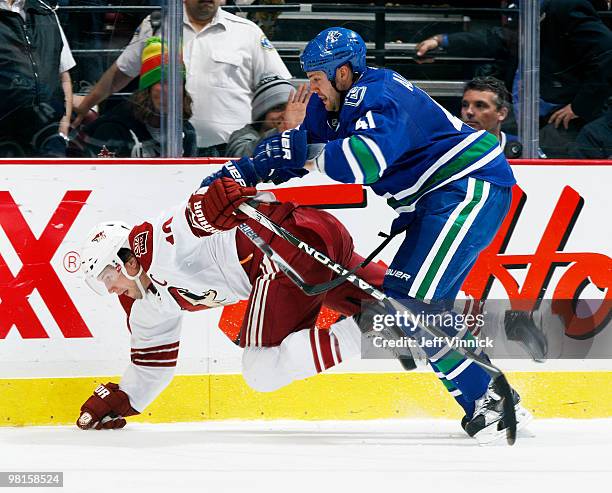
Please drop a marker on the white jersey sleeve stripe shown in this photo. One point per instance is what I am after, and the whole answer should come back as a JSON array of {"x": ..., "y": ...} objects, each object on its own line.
[
  {"x": 352, "y": 162},
  {"x": 446, "y": 157},
  {"x": 373, "y": 146}
]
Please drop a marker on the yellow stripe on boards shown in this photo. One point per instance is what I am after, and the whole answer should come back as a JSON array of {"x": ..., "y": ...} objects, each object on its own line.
[{"x": 329, "y": 396}]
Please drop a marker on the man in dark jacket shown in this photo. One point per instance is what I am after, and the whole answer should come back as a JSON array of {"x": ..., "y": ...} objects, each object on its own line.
[
  {"x": 595, "y": 139},
  {"x": 33, "y": 54},
  {"x": 575, "y": 64}
]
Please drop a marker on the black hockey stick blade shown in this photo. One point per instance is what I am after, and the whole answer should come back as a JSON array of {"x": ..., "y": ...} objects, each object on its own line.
[
  {"x": 407, "y": 362},
  {"x": 508, "y": 405}
]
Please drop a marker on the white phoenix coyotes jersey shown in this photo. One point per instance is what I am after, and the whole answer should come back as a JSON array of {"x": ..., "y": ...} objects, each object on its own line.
[{"x": 187, "y": 273}]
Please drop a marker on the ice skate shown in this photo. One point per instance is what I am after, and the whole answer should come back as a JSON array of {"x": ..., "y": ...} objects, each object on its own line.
[{"x": 487, "y": 424}]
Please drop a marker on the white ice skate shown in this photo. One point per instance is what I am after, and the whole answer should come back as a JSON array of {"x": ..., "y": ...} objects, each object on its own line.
[{"x": 487, "y": 424}]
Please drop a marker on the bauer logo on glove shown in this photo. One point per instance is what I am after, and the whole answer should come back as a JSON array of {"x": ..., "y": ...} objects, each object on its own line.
[
  {"x": 286, "y": 144},
  {"x": 235, "y": 174},
  {"x": 280, "y": 152}
]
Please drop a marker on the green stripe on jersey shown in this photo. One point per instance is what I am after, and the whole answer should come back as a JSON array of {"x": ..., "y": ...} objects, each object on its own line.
[
  {"x": 450, "y": 361},
  {"x": 366, "y": 159},
  {"x": 454, "y": 230},
  {"x": 460, "y": 162},
  {"x": 450, "y": 386}
]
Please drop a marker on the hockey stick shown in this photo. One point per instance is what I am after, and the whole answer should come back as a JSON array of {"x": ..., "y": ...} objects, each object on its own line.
[
  {"x": 310, "y": 289},
  {"x": 407, "y": 362},
  {"x": 495, "y": 373},
  {"x": 344, "y": 274}
]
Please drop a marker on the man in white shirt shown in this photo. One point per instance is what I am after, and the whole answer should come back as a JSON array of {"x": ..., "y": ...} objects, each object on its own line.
[
  {"x": 34, "y": 68},
  {"x": 225, "y": 56}
]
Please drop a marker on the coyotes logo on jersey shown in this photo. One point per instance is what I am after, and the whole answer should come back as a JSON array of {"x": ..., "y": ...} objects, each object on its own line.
[
  {"x": 139, "y": 244},
  {"x": 192, "y": 302}
]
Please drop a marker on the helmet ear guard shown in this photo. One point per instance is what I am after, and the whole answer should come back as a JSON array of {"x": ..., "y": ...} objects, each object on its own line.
[{"x": 332, "y": 48}]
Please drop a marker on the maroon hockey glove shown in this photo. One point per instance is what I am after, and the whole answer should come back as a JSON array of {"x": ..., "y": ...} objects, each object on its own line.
[
  {"x": 215, "y": 210},
  {"x": 105, "y": 409}
]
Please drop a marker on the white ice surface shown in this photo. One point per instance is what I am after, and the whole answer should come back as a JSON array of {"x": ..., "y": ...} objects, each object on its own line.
[{"x": 271, "y": 456}]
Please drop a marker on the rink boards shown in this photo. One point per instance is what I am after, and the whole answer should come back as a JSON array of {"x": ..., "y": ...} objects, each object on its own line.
[{"x": 58, "y": 339}]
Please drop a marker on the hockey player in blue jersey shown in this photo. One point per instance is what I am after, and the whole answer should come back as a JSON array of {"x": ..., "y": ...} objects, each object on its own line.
[{"x": 449, "y": 184}]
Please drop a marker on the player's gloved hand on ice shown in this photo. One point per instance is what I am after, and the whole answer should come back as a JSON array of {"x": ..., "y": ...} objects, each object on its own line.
[
  {"x": 283, "y": 151},
  {"x": 106, "y": 409},
  {"x": 242, "y": 171},
  {"x": 215, "y": 210}
]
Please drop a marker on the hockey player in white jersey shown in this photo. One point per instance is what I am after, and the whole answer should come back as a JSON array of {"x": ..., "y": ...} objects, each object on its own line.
[{"x": 193, "y": 258}]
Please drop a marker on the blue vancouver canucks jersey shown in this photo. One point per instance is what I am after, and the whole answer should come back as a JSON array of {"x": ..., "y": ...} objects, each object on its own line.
[{"x": 392, "y": 136}]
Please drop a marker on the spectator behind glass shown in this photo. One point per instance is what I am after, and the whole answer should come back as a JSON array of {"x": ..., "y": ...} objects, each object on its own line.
[
  {"x": 575, "y": 65},
  {"x": 595, "y": 139},
  {"x": 276, "y": 107},
  {"x": 132, "y": 129},
  {"x": 225, "y": 56},
  {"x": 484, "y": 106},
  {"x": 34, "y": 63},
  {"x": 265, "y": 19}
]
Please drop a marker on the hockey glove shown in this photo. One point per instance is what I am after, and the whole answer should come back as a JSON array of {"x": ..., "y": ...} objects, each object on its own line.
[
  {"x": 314, "y": 151},
  {"x": 105, "y": 409},
  {"x": 242, "y": 171},
  {"x": 281, "y": 151},
  {"x": 215, "y": 210}
]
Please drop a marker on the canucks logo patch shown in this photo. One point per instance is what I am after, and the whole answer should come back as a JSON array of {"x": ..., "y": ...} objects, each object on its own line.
[
  {"x": 355, "y": 96},
  {"x": 265, "y": 43},
  {"x": 332, "y": 37}
]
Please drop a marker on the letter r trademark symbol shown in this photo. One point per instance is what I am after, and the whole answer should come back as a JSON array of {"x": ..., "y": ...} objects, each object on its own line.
[{"x": 72, "y": 261}]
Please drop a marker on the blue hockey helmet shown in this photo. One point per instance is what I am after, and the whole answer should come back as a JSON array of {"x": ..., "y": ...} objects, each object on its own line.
[{"x": 332, "y": 48}]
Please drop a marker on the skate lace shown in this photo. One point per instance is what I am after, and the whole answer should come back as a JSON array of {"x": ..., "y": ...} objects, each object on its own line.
[{"x": 489, "y": 401}]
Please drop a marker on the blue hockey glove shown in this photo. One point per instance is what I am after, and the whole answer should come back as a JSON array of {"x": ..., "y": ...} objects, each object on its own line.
[
  {"x": 241, "y": 171},
  {"x": 280, "y": 151}
]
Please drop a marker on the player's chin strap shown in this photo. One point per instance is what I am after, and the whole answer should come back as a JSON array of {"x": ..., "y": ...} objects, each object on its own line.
[
  {"x": 136, "y": 279},
  {"x": 495, "y": 373}
]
